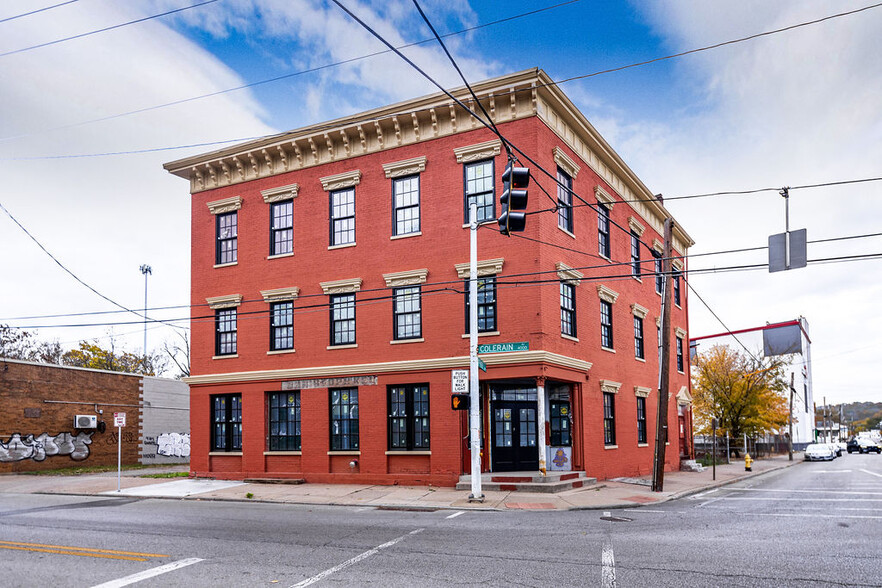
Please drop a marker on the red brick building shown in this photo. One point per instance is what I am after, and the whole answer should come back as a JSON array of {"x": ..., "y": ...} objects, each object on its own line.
[{"x": 329, "y": 269}]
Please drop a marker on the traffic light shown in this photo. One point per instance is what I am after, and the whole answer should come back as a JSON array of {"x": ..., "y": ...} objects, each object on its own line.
[
  {"x": 514, "y": 197},
  {"x": 459, "y": 402}
]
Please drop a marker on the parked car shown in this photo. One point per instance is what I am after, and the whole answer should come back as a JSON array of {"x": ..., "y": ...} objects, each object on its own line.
[
  {"x": 841, "y": 446},
  {"x": 819, "y": 452},
  {"x": 862, "y": 445}
]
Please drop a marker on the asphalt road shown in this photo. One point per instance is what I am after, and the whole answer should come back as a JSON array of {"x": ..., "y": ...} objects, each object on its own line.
[{"x": 816, "y": 524}]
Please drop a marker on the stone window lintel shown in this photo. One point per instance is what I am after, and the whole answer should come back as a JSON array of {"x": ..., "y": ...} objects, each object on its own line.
[
  {"x": 607, "y": 294},
  {"x": 280, "y": 294},
  {"x": 225, "y": 205},
  {"x": 565, "y": 163},
  {"x": 281, "y": 193},
  {"x": 340, "y": 181},
  {"x": 227, "y": 301},
  {"x": 407, "y": 167},
  {"x": 486, "y": 267},
  {"x": 406, "y": 278},
  {"x": 478, "y": 151},
  {"x": 341, "y": 286}
]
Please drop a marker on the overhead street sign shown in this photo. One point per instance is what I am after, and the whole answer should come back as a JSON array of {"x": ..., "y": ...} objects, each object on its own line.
[{"x": 504, "y": 347}]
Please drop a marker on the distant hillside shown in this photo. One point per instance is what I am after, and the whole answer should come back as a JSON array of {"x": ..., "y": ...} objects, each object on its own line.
[{"x": 859, "y": 416}]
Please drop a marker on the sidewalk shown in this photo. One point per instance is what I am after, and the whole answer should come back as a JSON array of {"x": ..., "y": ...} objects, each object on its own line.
[{"x": 606, "y": 494}]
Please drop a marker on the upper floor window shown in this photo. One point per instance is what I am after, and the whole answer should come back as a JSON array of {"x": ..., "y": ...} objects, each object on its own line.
[
  {"x": 284, "y": 421},
  {"x": 486, "y": 304},
  {"x": 407, "y": 312},
  {"x": 606, "y": 324},
  {"x": 609, "y": 418},
  {"x": 282, "y": 227},
  {"x": 603, "y": 237},
  {"x": 225, "y": 331},
  {"x": 641, "y": 419},
  {"x": 281, "y": 326},
  {"x": 406, "y": 205},
  {"x": 479, "y": 189},
  {"x": 564, "y": 201},
  {"x": 676, "y": 287},
  {"x": 567, "y": 309},
  {"x": 227, "y": 247},
  {"x": 344, "y": 419},
  {"x": 342, "y": 216},
  {"x": 342, "y": 319},
  {"x": 659, "y": 275},
  {"x": 226, "y": 420},
  {"x": 409, "y": 417},
  {"x": 635, "y": 254},
  {"x": 638, "y": 337},
  {"x": 679, "y": 354}
]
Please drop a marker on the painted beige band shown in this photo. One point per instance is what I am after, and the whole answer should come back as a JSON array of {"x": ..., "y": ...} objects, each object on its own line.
[
  {"x": 288, "y": 192},
  {"x": 438, "y": 363},
  {"x": 348, "y": 179},
  {"x": 478, "y": 151},
  {"x": 607, "y": 294},
  {"x": 225, "y": 205},
  {"x": 341, "y": 286},
  {"x": 227, "y": 301},
  {"x": 408, "y": 167},
  {"x": 280, "y": 294},
  {"x": 406, "y": 278},
  {"x": 565, "y": 163},
  {"x": 486, "y": 267}
]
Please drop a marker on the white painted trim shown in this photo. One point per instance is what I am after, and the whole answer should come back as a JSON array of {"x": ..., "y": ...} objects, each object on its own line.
[
  {"x": 405, "y": 236},
  {"x": 403, "y": 341},
  {"x": 280, "y": 255},
  {"x": 217, "y": 265},
  {"x": 281, "y": 351}
]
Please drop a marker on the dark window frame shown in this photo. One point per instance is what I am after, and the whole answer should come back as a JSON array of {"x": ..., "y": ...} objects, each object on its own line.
[
  {"x": 340, "y": 326},
  {"x": 279, "y": 412},
  {"x": 402, "y": 330},
  {"x": 639, "y": 351},
  {"x": 487, "y": 309},
  {"x": 282, "y": 234},
  {"x": 226, "y": 244},
  {"x": 680, "y": 354},
  {"x": 338, "y": 219},
  {"x": 282, "y": 332},
  {"x": 604, "y": 240},
  {"x": 559, "y": 424},
  {"x": 606, "y": 324},
  {"x": 635, "y": 255},
  {"x": 677, "y": 274},
  {"x": 609, "y": 418},
  {"x": 347, "y": 439},
  {"x": 398, "y": 223},
  {"x": 564, "y": 201},
  {"x": 409, "y": 417},
  {"x": 488, "y": 195},
  {"x": 225, "y": 331},
  {"x": 659, "y": 273},
  {"x": 641, "y": 420},
  {"x": 568, "y": 310},
  {"x": 226, "y": 422}
]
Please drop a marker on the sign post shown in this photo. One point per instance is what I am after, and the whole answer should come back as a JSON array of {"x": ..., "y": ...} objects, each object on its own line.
[{"x": 119, "y": 421}]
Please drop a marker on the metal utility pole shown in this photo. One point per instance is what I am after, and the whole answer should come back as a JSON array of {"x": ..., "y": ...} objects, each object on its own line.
[
  {"x": 661, "y": 423},
  {"x": 790, "y": 439},
  {"x": 477, "y": 494},
  {"x": 146, "y": 270}
]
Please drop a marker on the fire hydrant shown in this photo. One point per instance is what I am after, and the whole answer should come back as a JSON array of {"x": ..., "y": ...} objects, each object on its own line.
[{"x": 748, "y": 462}]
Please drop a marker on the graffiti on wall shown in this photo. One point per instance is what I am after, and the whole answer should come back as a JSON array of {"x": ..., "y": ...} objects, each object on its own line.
[
  {"x": 38, "y": 448},
  {"x": 170, "y": 445}
]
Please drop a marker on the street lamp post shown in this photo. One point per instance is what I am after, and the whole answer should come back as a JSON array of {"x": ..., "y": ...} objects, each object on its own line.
[{"x": 146, "y": 270}]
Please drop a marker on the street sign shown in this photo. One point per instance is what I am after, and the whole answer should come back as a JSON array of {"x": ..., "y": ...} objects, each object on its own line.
[
  {"x": 460, "y": 380},
  {"x": 481, "y": 365},
  {"x": 504, "y": 347},
  {"x": 119, "y": 419}
]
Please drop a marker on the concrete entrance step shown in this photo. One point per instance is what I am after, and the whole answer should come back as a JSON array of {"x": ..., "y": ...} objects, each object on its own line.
[{"x": 532, "y": 481}]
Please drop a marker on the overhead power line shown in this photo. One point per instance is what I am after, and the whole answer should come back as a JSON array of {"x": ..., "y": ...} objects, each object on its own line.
[{"x": 8, "y": 18}]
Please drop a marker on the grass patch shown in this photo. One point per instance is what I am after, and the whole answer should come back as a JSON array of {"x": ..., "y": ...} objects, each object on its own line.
[{"x": 167, "y": 475}]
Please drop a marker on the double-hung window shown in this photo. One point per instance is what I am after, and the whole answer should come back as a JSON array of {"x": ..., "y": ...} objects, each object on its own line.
[
  {"x": 486, "y": 304},
  {"x": 227, "y": 247},
  {"x": 564, "y": 201},
  {"x": 407, "y": 312},
  {"x": 635, "y": 254},
  {"x": 225, "y": 331},
  {"x": 282, "y": 227},
  {"x": 226, "y": 421},
  {"x": 409, "y": 417},
  {"x": 679, "y": 354},
  {"x": 603, "y": 238},
  {"x": 406, "y": 205},
  {"x": 638, "y": 337},
  {"x": 659, "y": 275},
  {"x": 606, "y": 324},
  {"x": 479, "y": 189},
  {"x": 342, "y": 217},
  {"x": 641, "y": 419},
  {"x": 567, "y": 309},
  {"x": 609, "y": 418},
  {"x": 342, "y": 319},
  {"x": 676, "y": 287},
  {"x": 344, "y": 419},
  {"x": 284, "y": 421},
  {"x": 281, "y": 326}
]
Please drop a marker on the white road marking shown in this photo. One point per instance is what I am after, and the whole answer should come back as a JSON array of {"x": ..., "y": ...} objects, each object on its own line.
[
  {"x": 831, "y": 471},
  {"x": 800, "y": 500},
  {"x": 802, "y": 491},
  {"x": 456, "y": 514},
  {"x": 647, "y": 510},
  {"x": 152, "y": 572},
  {"x": 810, "y": 516},
  {"x": 700, "y": 494},
  {"x": 354, "y": 560},
  {"x": 608, "y": 566},
  {"x": 872, "y": 473}
]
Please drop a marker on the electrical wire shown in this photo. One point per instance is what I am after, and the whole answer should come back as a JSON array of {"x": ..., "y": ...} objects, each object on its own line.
[
  {"x": 105, "y": 29},
  {"x": 716, "y": 316},
  {"x": 8, "y": 18}
]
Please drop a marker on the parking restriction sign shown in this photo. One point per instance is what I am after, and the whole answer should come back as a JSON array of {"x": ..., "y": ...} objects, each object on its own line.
[{"x": 119, "y": 419}]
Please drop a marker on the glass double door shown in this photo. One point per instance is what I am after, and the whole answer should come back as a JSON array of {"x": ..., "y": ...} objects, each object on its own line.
[{"x": 514, "y": 430}]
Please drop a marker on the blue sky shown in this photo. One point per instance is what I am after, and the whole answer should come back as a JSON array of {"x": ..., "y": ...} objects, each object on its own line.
[{"x": 793, "y": 108}]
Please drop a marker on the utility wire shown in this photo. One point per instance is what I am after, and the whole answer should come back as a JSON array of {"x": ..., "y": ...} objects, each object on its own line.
[
  {"x": 105, "y": 29},
  {"x": 716, "y": 316},
  {"x": 8, "y": 18}
]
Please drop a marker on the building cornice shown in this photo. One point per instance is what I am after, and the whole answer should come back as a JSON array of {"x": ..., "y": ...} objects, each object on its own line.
[{"x": 438, "y": 363}]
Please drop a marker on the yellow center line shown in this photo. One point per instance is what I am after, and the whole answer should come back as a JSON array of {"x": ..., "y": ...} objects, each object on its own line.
[
  {"x": 75, "y": 548},
  {"x": 80, "y": 553}
]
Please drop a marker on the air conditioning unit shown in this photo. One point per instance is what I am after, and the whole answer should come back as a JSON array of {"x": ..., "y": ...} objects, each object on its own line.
[{"x": 86, "y": 421}]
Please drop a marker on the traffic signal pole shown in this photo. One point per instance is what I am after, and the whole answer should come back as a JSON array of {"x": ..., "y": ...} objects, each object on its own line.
[{"x": 477, "y": 494}]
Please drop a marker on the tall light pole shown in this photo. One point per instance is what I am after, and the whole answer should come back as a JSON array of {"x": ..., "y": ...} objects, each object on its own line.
[{"x": 146, "y": 270}]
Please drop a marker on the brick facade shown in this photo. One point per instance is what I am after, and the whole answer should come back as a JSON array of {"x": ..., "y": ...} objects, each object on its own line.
[{"x": 571, "y": 371}]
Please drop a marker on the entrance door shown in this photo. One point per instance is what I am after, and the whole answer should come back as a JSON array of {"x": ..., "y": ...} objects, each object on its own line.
[
  {"x": 515, "y": 446},
  {"x": 683, "y": 449}
]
